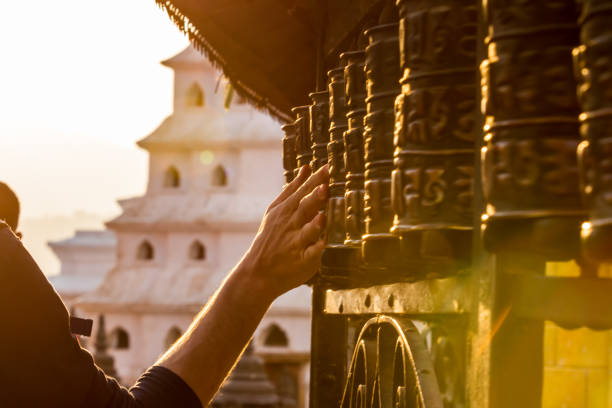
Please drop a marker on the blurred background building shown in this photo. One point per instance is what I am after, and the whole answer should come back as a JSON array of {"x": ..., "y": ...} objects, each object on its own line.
[
  {"x": 85, "y": 259},
  {"x": 213, "y": 169}
]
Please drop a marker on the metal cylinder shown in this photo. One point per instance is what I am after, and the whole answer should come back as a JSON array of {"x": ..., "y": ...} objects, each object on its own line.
[
  {"x": 592, "y": 67},
  {"x": 319, "y": 128},
  {"x": 335, "y": 151},
  {"x": 530, "y": 175},
  {"x": 435, "y": 129},
  {"x": 354, "y": 77},
  {"x": 382, "y": 87},
  {"x": 303, "y": 143},
  {"x": 289, "y": 155}
]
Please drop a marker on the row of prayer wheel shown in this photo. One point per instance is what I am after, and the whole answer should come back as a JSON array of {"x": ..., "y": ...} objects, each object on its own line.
[{"x": 402, "y": 128}]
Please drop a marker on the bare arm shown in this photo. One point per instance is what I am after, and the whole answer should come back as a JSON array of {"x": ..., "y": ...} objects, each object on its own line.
[{"x": 285, "y": 253}]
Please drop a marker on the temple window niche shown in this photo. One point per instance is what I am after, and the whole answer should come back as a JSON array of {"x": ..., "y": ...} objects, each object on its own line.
[
  {"x": 172, "y": 336},
  {"x": 197, "y": 251},
  {"x": 172, "y": 177},
  {"x": 145, "y": 251},
  {"x": 194, "y": 97},
  {"x": 219, "y": 176},
  {"x": 120, "y": 339}
]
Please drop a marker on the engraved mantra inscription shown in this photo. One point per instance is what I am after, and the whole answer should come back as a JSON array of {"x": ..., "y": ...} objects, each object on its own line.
[
  {"x": 433, "y": 36},
  {"x": 418, "y": 190},
  {"x": 428, "y": 116},
  {"x": 525, "y": 164}
]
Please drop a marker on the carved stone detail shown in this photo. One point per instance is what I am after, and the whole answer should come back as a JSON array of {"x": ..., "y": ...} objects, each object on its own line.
[
  {"x": 289, "y": 155},
  {"x": 435, "y": 128},
  {"x": 319, "y": 128},
  {"x": 593, "y": 68},
  {"x": 382, "y": 86},
  {"x": 530, "y": 173}
]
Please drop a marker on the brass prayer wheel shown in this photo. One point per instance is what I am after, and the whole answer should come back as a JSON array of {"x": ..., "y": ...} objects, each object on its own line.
[
  {"x": 303, "y": 143},
  {"x": 592, "y": 66},
  {"x": 335, "y": 151},
  {"x": 319, "y": 128},
  {"x": 289, "y": 156},
  {"x": 354, "y": 77},
  {"x": 530, "y": 175},
  {"x": 379, "y": 246},
  {"x": 435, "y": 129}
]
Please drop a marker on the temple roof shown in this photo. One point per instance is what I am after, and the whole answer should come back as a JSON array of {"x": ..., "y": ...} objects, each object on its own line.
[
  {"x": 188, "y": 58},
  {"x": 274, "y": 53},
  {"x": 167, "y": 290},
  {"x": 83, "y": 273},
  {"x": 74, "y": 285},
  {"x": 193, "y": 210},
  {"x": 87, "y": 238},
  {"x": 209, "y": 128}
]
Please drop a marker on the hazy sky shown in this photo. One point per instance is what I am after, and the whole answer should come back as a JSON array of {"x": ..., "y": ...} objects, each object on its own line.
[{"x": 80, "y": 82}]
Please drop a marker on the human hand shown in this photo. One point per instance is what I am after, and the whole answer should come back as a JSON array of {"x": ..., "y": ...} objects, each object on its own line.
[{"x": 286, "y": 251}]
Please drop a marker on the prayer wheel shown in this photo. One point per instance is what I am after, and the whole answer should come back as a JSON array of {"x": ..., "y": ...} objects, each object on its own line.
[
  {"x": 435, "y": 129},
  {"x": 335, "y": 151},
  {"x": 289, "y": 157},
  {"x": 354, "y": 78},
  {"x": 319, "y": 128},
  {"x": 379, "y": 246},
  {"x": 593, "y": 66},
  {"x": 303, "y": 142},
  {"x": 530, "y": 174}
]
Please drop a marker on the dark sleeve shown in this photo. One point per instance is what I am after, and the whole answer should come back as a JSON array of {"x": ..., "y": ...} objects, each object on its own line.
[{"x": 42, "y": 365}]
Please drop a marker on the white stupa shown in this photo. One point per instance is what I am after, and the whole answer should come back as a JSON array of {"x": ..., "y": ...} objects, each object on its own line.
[{"x": 212, "y": 173}]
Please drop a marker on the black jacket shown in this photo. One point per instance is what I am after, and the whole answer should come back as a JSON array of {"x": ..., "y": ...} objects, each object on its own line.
[{"x": 42, "y": 365}]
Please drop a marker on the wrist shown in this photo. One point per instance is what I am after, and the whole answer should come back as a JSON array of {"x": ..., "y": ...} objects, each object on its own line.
[{"x": 252, "y": 283}]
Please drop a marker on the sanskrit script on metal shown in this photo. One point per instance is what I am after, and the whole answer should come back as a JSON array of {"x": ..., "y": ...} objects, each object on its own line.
[
  {"x": 593, "y": 67},
  {"x": 531, "y": 132},
  {"x": 289, "y": 156},
  {"x": 435, "y": 128},
  {"x": 335, "y": 150},
  {"x": 303, "y": 143},
  {"x": 391, "y": 367},
  {"x": 319, "y": 128},
  {"x": 354, "y": 77},
  {"x": 382, "y": 86}
]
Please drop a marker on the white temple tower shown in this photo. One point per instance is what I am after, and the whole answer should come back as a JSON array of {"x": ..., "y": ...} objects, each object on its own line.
[
  {"x": 212, "y": 173},
  {"x": 85, "y": 258}
]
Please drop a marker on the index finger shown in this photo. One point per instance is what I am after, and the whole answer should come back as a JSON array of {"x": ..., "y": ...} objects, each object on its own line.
[
  {"x": 321, "y": 176},
  {"x": 291, "y": 187}
]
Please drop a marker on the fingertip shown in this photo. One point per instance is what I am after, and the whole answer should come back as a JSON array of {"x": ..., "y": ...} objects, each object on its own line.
[
  {"x": 320, "y": 244},
  {"x": 320, "y": 220},
  {"x": 322, "y": 171},
  {"x": 305, "y": 171},
  {"x": 322, "y": 191},
  {"x": 314, "y": 252}
]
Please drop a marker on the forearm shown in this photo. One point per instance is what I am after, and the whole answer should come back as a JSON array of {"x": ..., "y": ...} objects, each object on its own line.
[
  {"x": 219, "y": 334},
  {"x": 285, "y": 253}
]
